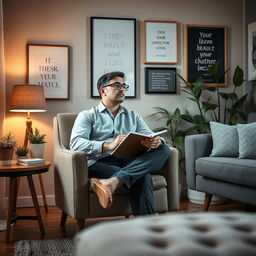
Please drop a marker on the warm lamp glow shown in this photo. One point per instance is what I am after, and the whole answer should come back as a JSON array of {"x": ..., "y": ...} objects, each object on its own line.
[{"x": 28, "y": 98}]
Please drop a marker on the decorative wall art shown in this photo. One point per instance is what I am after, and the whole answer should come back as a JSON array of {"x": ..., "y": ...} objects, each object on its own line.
[
  {"x": 160, "y": 39},
  {"x": 113, "y": 48},
  {"x": 48, "y": 66},
  {"x": 160, "y": 80},
  {"x": 203, "y": 46},
  {"x": 252, "y": 51}
]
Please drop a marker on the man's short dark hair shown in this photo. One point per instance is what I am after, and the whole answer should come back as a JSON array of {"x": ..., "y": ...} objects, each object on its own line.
[{"x": 103, "y": 80}]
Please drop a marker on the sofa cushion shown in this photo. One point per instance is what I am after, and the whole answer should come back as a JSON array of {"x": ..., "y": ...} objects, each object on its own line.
[
  {"x": 225, "y": 139},
  {"x": 247, "y": 140},
  {"x": 158, "y": 183},
  {"x": 234, "y": 170}
]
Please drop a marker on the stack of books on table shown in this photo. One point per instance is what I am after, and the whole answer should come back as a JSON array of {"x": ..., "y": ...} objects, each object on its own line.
[{"x": 31, "y": 161}]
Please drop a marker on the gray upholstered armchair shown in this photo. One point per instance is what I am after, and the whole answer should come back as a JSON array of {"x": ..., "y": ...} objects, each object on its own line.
[{"x": 73, "y": 194}]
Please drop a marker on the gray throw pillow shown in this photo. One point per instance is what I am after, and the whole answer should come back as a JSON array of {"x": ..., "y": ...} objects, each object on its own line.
[
  {"x": 247, "y": 140},
  {"x": 225, "y": 139}
]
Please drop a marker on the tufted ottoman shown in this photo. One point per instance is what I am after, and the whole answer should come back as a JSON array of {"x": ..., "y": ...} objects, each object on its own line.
[{"x": 190, "y": 234}]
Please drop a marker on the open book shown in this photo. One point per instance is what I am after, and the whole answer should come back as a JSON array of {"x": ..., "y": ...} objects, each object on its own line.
[{"x": 131, "y": 146}]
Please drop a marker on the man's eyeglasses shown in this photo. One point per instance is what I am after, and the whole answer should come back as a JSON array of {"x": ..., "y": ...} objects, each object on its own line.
[{"x": 118, "y": 86}]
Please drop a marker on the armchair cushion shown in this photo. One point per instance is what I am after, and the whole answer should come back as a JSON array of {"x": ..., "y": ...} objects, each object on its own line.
[
  {"x": 247, "y": 140},
  {"x": 225, "y": 140},
  {"x": 228, "y": 169}
]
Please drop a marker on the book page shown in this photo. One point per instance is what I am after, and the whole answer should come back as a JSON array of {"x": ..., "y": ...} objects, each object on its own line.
[{"x": 131, "y": 146}]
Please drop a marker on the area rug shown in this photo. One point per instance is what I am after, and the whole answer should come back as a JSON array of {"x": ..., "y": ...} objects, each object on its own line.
[{"x": 62, "y": 247}]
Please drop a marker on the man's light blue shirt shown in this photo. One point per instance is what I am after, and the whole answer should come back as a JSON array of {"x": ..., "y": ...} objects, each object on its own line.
[{"x": 95, "y": 126}]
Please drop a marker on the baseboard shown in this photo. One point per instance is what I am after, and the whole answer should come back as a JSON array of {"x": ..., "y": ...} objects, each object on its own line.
[{"x": 26, "y": 201}]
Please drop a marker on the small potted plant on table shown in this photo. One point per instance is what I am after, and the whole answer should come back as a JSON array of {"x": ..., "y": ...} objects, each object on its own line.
[
  {"x": 7, "y": 144},
  {"x": 21, "y": 152},
  {"x": 37, "y": 143}
]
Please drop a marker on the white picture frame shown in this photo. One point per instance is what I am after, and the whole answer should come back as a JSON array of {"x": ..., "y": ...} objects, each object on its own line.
[
  {"x": 48, "y": 66},
  {"x": 113, "y": 48},
  {"x": 252, "y": 51},
  {"x": 160, "y": 42}
]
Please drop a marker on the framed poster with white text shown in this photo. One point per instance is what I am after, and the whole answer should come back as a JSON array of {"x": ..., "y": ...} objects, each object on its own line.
[
  {"x": 161, "y": 42},
  {"x": 113, "y": 48},
  {"x": 204, "y": 45},
  {"x": 160, "y": 80},
  {"x": 48, "y": 66}
]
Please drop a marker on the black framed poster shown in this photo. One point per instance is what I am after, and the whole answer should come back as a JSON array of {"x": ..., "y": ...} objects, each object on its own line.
[
  {"x": 113, "y": 48},
  {"x": 160, "y": 80},
  {"x": 203, "y": 46}
]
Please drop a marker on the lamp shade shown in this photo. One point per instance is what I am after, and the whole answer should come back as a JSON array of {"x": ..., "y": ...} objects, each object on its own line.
[{"x": 28, "y": 98}]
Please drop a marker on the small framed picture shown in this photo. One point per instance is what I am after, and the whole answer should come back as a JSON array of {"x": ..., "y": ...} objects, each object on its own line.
[
  {"x": 113, "y": 48},
  {"x": 161, "y": 42},
  {"x": 48, "y": 66},
  {"x": 160, "y": 80}
]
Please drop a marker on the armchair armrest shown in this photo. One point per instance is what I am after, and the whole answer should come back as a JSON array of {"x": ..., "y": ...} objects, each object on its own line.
[
  {"x": 70, "y": 179},
  {"x": 196, "y": 146},
  {"x": 171, "y": 173}
]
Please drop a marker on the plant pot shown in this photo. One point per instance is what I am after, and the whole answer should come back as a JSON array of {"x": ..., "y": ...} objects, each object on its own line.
[
  {"x": 22, "y": 157},
  {"x": 6, "y": 155},
  {"x": 36, "y": 150}
]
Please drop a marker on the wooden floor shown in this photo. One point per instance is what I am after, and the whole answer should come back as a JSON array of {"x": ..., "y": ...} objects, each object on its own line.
[{"x": 29, "y": 230}]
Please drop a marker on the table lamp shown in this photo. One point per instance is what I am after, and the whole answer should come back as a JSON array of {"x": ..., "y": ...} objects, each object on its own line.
[{"x": 28, "y": 98}]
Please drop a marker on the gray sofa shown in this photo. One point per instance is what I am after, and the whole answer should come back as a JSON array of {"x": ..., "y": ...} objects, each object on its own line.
[{"x": 229, "y": 177}]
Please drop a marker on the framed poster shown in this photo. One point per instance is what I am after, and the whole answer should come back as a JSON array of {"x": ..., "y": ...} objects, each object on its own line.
[
  {"x": 161, "y": 42},
  {"x": 203, "y": 46},
  {"x": 252, "y": 51},
  {"x": 48, "y": 66},
  {"x": 160, "y": 80},
  {"x": 113, "y": 48}
]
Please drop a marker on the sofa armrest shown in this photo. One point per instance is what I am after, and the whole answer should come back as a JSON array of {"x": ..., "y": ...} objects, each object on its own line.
[
  {"x": 171, "y": 173},
  {"x": 196, "y": 146}
]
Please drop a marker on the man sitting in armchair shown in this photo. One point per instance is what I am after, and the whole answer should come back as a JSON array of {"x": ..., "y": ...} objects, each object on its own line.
[{"x": 100, "y": 130}]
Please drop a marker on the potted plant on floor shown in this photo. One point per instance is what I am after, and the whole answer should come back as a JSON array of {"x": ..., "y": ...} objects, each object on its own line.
[
  {"x": 7, "y": 144},
  {"x": 208, "y": 108},
  {"x": 21, "y": 152},
  {"x": 37, "y": 144}
]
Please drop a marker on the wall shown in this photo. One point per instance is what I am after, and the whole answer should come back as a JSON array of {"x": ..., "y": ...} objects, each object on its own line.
[
  {"x": 67, "y": 22},
  {"x": 2, "y": 106}
]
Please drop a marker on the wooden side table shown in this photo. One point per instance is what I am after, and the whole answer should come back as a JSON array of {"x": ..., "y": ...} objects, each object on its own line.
[{"x": 13, "y": 172}]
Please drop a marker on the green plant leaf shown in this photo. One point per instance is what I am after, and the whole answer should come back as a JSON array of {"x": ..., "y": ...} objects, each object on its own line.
[
  {"x": 208, "y": 106},
  {"x": 199, "y": 81},
  {"x": 242, "y": 115},
  {"x": 234, "y": 118},
  {"x": 238, "y": 77},
  {"x": 213, "y": 69},
  {"x": 178, "y": 141},
  {"x": 177, "y": 115},
  {"x": 196, "y": 91}
]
